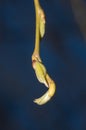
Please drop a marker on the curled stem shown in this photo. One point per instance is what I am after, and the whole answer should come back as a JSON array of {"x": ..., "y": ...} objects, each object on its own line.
[{"x": 39, "y": 68}]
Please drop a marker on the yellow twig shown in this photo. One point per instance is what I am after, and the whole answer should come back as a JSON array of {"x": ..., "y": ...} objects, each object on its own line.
[{"x": 39, "y": 68}]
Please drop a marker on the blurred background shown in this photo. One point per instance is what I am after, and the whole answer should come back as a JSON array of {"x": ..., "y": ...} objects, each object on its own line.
[{"x": 63, "y": 51}]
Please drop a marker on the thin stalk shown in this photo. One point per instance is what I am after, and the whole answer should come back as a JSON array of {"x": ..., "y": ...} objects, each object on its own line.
[{"x": 37, "y": 36}]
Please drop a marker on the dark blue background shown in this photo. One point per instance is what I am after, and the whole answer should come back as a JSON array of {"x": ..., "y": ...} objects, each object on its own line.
[{"x": 63, "y": 51}]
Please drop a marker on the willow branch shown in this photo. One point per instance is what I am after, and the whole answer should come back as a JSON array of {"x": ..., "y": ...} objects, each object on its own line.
[{"x": 39, "y": 68}]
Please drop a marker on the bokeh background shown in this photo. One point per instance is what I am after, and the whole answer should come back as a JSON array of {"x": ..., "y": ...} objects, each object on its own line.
[{"x": 63, "y": 51}]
